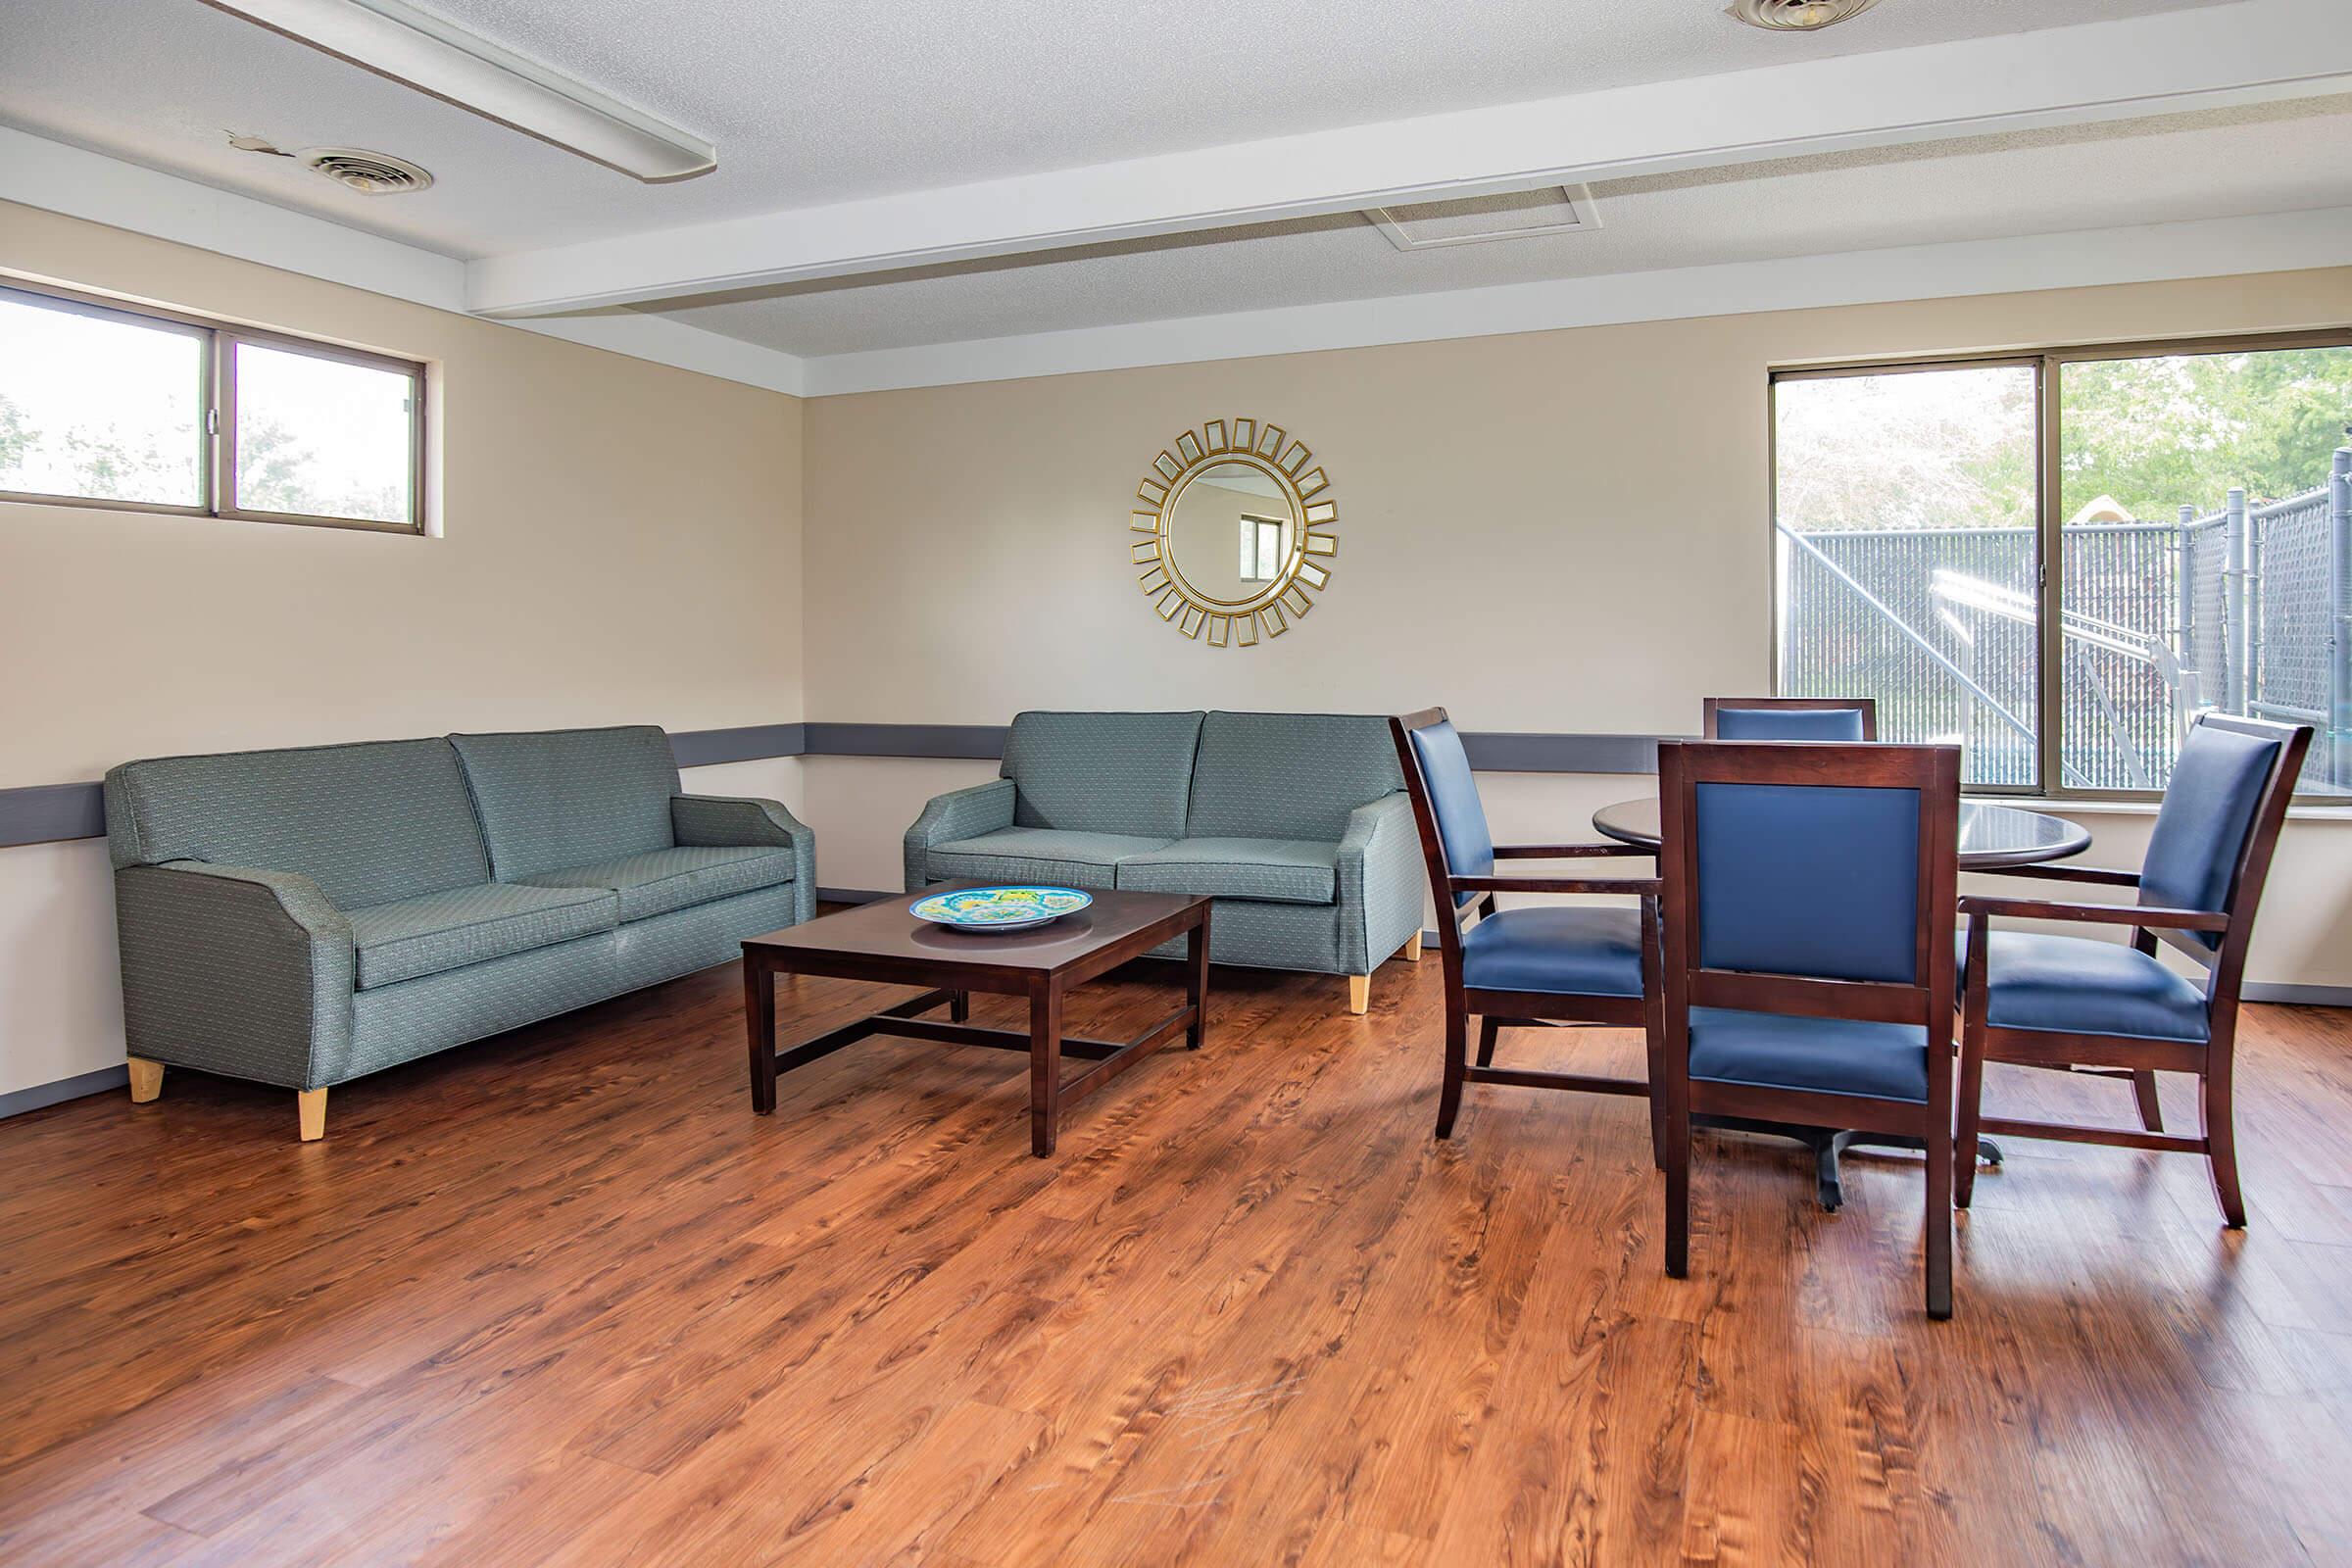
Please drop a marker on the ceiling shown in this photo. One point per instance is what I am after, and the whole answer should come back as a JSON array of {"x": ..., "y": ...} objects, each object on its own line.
[
  {"x": 2274, "y": 158},
  {"x": 840, "y": 101}
]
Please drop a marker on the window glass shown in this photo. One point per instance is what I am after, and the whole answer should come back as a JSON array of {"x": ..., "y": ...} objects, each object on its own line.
[
  {"x": 322, "y": 437},
  {"x": 99, "y": 407},
  {"x": 2205, "y": 545},
  {"x": 1905, "y": 507}
]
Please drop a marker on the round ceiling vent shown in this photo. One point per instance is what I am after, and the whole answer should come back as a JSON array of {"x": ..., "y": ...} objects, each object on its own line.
[
  {"x": 368, "y": 173},
  {"x": 1797, "y": 16}
]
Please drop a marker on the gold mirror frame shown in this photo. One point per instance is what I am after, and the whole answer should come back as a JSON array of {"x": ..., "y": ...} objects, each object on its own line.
[{"x": 1304, "y": 571}]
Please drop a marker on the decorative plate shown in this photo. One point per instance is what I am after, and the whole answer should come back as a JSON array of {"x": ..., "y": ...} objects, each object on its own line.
[{"x": 1006, "y": 908}]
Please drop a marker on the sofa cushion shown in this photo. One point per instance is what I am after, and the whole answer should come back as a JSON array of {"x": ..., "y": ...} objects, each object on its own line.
[
  {"x": 662, "y": 880},
  {"x": 1269, "y": 870},
  {"x": 554, "y": 799},
  {"x": 1121, "y": 773},
  {"x": 1289, "y": 775},
  {"x": 411, "y": 937},
  {"x": 2082, "y": 985},
  {"x": 1039, "y": 855},
  {"x": 369, "y": 823}
]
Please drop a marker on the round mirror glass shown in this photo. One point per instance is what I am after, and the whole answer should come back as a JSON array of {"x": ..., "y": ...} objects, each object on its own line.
[{"x": 1232, "y": 535}]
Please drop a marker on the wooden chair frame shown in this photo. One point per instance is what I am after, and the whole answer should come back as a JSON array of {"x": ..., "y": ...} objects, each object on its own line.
[
  {"x": 1803, "y": 705},
  {"x": 2132, "y": 1059},
  {"x": 1935, "y": 773},
  {"x": 1497, "y": 1010}
]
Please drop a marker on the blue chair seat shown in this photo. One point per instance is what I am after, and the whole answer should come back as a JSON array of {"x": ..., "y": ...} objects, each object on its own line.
[
  {"x": 2082, "y": 985},
  {"x": 1562, "y": 949},
  {"x": 1820, "y": 1055}
]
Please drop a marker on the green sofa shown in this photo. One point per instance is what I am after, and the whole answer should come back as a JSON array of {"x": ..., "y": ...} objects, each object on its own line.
[
  {"x": 1297, "y": 824},
  {"x": 306, "y": 917}
]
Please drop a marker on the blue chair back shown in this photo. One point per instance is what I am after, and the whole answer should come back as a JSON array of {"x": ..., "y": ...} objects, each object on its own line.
[
  {"x": 2209, "y": 813},
  {"x": 1452, "y": 793},
  {"x": 1811, "y": 880},
  {"x": 1792, "y": 718},
  {"x": 1803, "y": 879}
]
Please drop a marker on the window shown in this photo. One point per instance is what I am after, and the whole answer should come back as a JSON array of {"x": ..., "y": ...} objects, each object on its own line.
[
  {"x": 103, "y": 403},
  {"x": 1262, "y": 548},
  {"x": 2057, "y": 560}
]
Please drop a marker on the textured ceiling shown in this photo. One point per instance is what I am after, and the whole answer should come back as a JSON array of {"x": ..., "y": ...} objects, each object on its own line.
[
  {"x": 2274, "y": 158},
  {"x": 812, "y": 102}
]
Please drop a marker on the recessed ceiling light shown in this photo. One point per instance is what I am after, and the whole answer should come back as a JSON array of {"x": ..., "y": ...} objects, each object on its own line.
[
  {"x": 1796, "y": 16},
  {"x": 409, "y": 45}
]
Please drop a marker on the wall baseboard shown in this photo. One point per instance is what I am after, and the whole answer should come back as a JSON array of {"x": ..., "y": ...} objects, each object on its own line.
[{"x": 40, "y": 1097}]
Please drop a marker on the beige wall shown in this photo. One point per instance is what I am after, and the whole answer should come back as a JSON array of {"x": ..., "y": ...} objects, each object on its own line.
[
  {"x": 1553, "y": 531},
  {"x": 619, "y": 541}
]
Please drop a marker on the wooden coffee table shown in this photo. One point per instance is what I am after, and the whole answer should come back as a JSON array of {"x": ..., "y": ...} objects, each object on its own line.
[{"x": 882, "y": 942}]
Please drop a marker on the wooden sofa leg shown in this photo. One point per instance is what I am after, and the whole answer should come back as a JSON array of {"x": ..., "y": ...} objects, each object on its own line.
[
  {"x": 146, "y": 1080},
  {"x": 1412, "y": 948},
  {"x": 1359, "y": 993},
  {"x": 311, "y": 1106}
]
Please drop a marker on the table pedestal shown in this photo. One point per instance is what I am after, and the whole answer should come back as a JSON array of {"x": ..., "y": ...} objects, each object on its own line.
[{"x": 1829, "y": 1143}]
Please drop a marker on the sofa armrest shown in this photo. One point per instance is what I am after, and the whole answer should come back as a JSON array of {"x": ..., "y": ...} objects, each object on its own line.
[
  {"x": 957, "y": 814},
  {"x": 1380, "y": 881},
  {"x": 235, "y": 970},
  {"x": 727, "y": 820}
]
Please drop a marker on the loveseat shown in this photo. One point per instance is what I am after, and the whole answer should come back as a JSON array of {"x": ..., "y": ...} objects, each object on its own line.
[
  {"x": 305, "y": 917},
  {"x": 1297, "y": 824}
]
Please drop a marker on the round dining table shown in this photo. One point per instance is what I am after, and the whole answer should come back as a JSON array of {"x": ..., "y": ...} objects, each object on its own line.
[{"x": 1991, "y": 836}]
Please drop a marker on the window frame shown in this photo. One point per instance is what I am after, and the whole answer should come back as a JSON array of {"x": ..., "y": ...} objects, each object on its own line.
[
  {"x": 2047, "y": 361},
  {"x": 217, "y": 412}
]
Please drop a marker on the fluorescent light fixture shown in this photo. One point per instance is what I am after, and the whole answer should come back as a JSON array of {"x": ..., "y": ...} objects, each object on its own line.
[{"x": 433, "y": 56}]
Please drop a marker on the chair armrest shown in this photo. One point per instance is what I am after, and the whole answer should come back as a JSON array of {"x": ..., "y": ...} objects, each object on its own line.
[
  {"x": 727, "y": 820},
  {"x": 1646, "y": 887},
  {"x": 2150, "y": 917},
  {"x": 1610, "y": 851},
  {"x": 235, "y": 969},
  {"x": 2070, "y": 873},
  {"x": 957, "y": 814},
  {"x": 1380, "y": 881}
]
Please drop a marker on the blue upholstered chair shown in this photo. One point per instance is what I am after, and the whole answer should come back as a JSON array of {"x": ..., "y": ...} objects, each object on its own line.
[
  {"x": 1808, "y": 953},
  {"x": 2112, "y": 1010},
  {"x": 1790, "y": 718},
  {"x": 1531, "y": 968}
]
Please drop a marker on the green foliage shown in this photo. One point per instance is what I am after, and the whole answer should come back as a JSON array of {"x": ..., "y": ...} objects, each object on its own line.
[
  {"x": 16, "y": 438},
  {"x": 2161, "y": 433},
  {"x": 1948, "y": 449}
]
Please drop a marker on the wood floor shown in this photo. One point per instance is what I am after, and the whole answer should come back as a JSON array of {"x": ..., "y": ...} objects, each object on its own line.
[{"x": 561, "y": 1299}]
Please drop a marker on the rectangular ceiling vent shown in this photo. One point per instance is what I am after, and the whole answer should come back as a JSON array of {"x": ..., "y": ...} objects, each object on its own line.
[{"x": 1479, "y": 220}]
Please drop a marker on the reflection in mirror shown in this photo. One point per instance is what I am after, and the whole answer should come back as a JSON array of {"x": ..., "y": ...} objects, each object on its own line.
[{"x": 1231, "y": 533}]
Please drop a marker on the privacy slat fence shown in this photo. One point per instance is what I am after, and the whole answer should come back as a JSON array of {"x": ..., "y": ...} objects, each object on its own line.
[{"x": 2247, "y": 610}]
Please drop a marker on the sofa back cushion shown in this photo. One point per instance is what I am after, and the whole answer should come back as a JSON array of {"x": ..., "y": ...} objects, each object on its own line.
[
  {"x": 1289, "y": 775},
  {"x": 370, "y": 823},
  {"x": 1103, "y": 772},
  {"x": 554, "y": 799}
]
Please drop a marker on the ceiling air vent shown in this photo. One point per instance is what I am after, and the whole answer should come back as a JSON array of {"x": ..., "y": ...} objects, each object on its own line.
[
  {"x": 368, "y": 173},
  {"x": 1796, "y": 16},
  {"x": 1478, "y": 220}
]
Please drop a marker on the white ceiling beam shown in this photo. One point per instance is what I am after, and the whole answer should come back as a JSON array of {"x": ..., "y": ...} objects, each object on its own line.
[{"x": 2202, "y": 58}]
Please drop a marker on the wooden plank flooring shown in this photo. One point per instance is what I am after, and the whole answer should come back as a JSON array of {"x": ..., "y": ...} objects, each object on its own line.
[{"x": 561, "y": 1299}]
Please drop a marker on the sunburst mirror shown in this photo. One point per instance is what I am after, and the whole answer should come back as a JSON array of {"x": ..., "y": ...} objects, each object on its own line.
[{"x": 1239, "y": 532}]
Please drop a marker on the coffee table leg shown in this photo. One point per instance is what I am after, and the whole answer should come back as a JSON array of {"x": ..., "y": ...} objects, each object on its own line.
[
  {"x": 959, "y": 1006},
  {"x": 1196, "y": 981},
  {"x": 760, "y": 1017},
  {"x": 1044, "y": 1067}
]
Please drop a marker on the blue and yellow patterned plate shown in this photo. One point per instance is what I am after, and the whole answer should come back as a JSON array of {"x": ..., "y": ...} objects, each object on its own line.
[{"x": 1009, "y": 908}]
